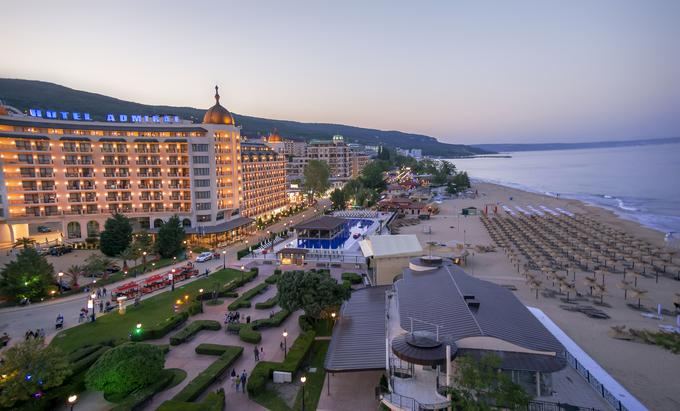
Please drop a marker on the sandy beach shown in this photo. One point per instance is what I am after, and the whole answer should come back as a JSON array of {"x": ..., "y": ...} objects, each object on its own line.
[{"x": 649, "y": 372}]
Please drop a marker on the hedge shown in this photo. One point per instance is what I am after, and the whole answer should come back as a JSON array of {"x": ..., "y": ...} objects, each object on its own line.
[
  {"x": 211, "y": 349},
  {"x": 86, "y": 361},
  {"x": 249, "y": 335},
  {"x": 248, "y": 332},
  {"x": 161, "y": 329},
  {"x": 214, "y": 401},
  {"x": 137, "y": 399},
  {"x": 272, "y": 279},
  {"x": 244, "y": 300},
  {"x": 192, "y": 329},
  {"x": 228, "y": 290},
  {"x": 305, "y": 323},
  {"x": 268, "y": 303},
  {"x": 353, "y": 278},
  {"x": 82, "y": 352},
  {"x": 203, "y": 380},
  {"x": 264, "y": 369}
]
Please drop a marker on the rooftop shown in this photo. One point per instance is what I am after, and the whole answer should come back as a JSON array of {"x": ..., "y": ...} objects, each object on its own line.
[
  {"x": 321, "y": 223},
  {"x": 390, "y": 245}
]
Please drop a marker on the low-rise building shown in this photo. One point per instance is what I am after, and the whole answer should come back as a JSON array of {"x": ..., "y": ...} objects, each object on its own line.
[{"x": 387, "y": 255}]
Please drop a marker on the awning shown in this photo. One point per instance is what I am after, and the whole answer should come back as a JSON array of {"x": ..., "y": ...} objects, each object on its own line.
[{"x": 220, "y": 228}]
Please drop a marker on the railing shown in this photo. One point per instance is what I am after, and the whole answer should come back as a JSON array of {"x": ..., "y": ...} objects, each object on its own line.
[
  {"x": 555, "y": 406},
  {"x": 408, "y": 403}
]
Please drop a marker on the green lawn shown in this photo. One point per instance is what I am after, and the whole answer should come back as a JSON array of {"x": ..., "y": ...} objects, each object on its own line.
[
  {"x": 149, "y": 312},
  {"x": 315, "y": 380}
]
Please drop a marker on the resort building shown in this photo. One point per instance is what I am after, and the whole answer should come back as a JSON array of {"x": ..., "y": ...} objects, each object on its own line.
[
  {"x": 387, "y": 255},
  {"x": 264, "y": 180},
  {"x": 416, "y": 329},
  {"x": 69, "y": 173},
  {"x": 335, "y": 153}
]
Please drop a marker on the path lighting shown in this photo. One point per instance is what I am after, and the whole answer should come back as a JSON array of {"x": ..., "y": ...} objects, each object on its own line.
[
  {"x": 172, "y": 279},
  {"x": 200, "y": 290},
  {"x": 178, "y": 302},
  {"x": 285, "y": 343},
  {"x": 303, "y": 379},
  {"x": 138, "y": 328},
  {"x": 72, "y": 400},
  {"x": 61, "y": 290},
  {"x": 186, "y": 297},
  {"x": 224, "y": 259}
]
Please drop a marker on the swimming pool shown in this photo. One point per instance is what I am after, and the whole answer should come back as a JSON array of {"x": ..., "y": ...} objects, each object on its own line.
[{"x": 342, "y": 240}]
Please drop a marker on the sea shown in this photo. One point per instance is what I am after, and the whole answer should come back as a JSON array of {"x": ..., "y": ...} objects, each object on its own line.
[{"x": 640, "y": 183}]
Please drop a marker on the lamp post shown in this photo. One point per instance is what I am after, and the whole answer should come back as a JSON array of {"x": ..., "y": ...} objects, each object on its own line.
[
  {"x": 243, "y": 270},
  {"x": 172, "y": 280},
  {"x": 60, "y": 275},
  {"x": 144, "y": 259},
  {"x": 72, "y": 400},
  {"x": 303, "y": 379},
  {"x": 285, "y": 343},
  {"x": 200, "y": 290},
  {"x": 333, "y": 322},
  {"x": 224, "y": 259}
]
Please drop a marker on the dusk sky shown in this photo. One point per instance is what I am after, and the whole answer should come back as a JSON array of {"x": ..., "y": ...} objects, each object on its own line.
[{"x": 467, "y": 72}]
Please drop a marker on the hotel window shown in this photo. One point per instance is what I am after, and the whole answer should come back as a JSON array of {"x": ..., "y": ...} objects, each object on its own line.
[
  {"x": 201, "y": 159},
  {"x": 199, "y": 147},
  {"x": 23, "y": 144},
  {"x": 202, "y": 183},
  {"x": 203, "y": 218},
  {"x": 42, "y": 146},
  {"x": 25, "y": 158},
  {"x": 219, "y": 215},
  {"x": 202, "y": 194},
  {"x": 203, "y": 206},
  {"x": 201, "y": 171}
]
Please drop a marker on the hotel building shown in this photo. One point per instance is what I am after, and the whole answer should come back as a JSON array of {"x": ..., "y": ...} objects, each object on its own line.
[
  {"x": 69, "y": 175},
  {"x": 264, "y": 180}
]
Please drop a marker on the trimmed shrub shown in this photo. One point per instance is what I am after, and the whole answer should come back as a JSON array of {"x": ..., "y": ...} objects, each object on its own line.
[
  {"x": 137, "y": 399},
  {"x": 214, "y": 401},
  {"x": 268, "y": 303},
  {"x": 85, "y": 362},
  {"x": 272, "y": 279},
  {"x": 277, "y": 271},
  {"x": 249, "y": 335},
  {"x": 353, "y": 278},
  {"x": 126, "y": 368},
  {"x": 192, "y": 329},
  {"x": 203, "y": 380},
  {"x": 244, "y": 300},
  {"x": 82, "y": 352},
  {"x": 273, "y": 321},
  {"x": 211, "y": 349},
  {"x": 194, "y": 308},
  {"x": 161, "y": 329},
  {"x": 263, "y": 370},
  {"x": 235, "y": 327}
]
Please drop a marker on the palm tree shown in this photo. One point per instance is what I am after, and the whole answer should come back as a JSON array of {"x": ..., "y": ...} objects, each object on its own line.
[
  {"x": 74, "y": 271},
  {"x": 127, "y": 255},
  {"x": 24, "y": 242}
]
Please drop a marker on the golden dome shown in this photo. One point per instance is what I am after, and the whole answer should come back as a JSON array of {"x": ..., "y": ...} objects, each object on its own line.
[
  {"x": 274, "y": 137},
  {"x": 218, "y": 114}
]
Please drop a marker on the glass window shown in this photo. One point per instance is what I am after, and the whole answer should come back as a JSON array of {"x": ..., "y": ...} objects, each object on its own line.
[{"x": 202, "y": 183}]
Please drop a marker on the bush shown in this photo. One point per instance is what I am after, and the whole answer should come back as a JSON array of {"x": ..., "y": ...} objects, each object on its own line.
[
  {"x": 126, "y": 368},
  {"x": 138, "y": 398},
  {"x": 244, "y": 300},
  {"x": 82, "y": 352},
  {"x": 306, "y": 323},
  {"x": 161, "y": 329},
  {"x": 272, "y": 279},
  {"x": 248, "y": 332},
  {"x": 212, "y": 402},
  {"x": 86, "y": 361},
  {"x": 203, "y": 380},
  {"x": 249, "y": 335},
  {"x": 212, "y": 349},
  {"x": 192, "y": 329},
  {"x": 263, "y": 370},
  {"x": 277, "y": 271},
  {"x": 235, "y": 327},
  {"x": 268, "y": 303},
  {"x": 353, "y": 278}
]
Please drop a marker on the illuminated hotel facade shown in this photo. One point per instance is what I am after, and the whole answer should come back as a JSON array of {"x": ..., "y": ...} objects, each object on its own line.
[
  {"x": 264, "y": 180},
  {"x": 71, "y": 175}
]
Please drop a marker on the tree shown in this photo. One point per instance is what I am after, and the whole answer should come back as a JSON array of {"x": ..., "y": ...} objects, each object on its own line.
[
  {"x": 142, "y": 242},
  {"x": 461, "y": 180},
  {"x": 24, "y": 242},
  {"x": 317, "y": 174},
  {"x": 30, "y": 367},
  {"x": 481, "y": 386},
  {"x": 75, "y": 271},
  {"x": 126, "y": 255},
  {"x": 28, "y": 276},
  {"x": 126, "y": 368},
  {"x": 315, "y": 293},
  {"x": 116, "y": 236},
  {"x": 96, "y": 264},
  {"x": 170, "y": 238},
  {"x": 372, "y": 175},
  {"x": 338, "y": 199}
]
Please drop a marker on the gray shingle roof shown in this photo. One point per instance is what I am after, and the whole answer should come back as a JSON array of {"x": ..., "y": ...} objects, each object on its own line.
[
  {"x": 438, "y": 296},
  {"x": 359, "y": 334}
]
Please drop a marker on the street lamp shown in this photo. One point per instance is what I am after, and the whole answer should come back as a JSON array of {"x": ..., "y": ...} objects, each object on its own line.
[
  {"x": 285, "y": 343},
  {"x": 72, "y": 400},
  {"x": 60, "y": 286},
  {"x": 303, "y": 379},
  {"x": 172, "y": 280},
  {"x": 200, "y": 290},
  {"x": 224, "y": 259},
  {"x": 144, "y": 259}
]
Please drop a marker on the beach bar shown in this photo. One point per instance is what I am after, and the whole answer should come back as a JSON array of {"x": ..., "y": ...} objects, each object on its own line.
[{"x": 320, "y": 228}]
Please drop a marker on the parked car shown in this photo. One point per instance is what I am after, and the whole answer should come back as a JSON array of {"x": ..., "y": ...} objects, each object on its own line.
[
  {"x": 60, "y": 249},
  {"x": 203, "y": 257},
  {"x": 113, "y": 268},
  {"x": 44, "y": 229},
  {"x": 64, "y": 285}
]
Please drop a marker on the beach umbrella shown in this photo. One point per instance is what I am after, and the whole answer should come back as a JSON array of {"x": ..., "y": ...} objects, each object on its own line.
[
  {"x": 625, "y": 286},
  {"x": 600, "y": 290},
  {"x": 590, "y": 282},
  {"x": 639, "y": 294}
]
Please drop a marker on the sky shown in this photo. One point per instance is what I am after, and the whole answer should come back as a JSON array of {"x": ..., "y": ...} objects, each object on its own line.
[{"x": 462, "y": 71}]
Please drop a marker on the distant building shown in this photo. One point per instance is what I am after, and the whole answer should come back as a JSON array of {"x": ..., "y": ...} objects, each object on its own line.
[{"x": 416, "y": 153}]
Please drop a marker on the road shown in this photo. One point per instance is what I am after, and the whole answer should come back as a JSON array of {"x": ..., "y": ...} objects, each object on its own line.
[{"x": 16, "y": 321}]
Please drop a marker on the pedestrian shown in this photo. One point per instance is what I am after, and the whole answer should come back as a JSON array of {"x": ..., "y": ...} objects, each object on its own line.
[
  {"x": 27, "y": 335},
  {"x": 262, "y": 352},
  {"x": 256, "y": 352},
  {"x": 101, "y": 306},
  {"x": 81, "y": 317},
  {"x": 104, "y": 291},
  {"x": 244, "y": 378},
  {"x": 281, "y": 345},
  {"x": 99, "y": 293},
  {"x": 248, "y": 320}
]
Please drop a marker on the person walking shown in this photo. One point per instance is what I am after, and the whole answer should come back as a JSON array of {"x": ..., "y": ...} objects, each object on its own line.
[
  {"x": 256, "y": 353},
  {"x": 244, "y": 378},
  {"x": 262, "y": 352},
  {"x": 104, "y": 291},
  {"x": 101, "y": 306}
]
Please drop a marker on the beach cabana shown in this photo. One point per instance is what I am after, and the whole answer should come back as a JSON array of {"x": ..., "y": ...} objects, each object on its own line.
[{"x": 320, "y": 228}]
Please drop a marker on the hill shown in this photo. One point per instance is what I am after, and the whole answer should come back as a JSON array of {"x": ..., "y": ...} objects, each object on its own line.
[
  {"x": 25, "y": 94},
  {"x": 509, "y": 147}
]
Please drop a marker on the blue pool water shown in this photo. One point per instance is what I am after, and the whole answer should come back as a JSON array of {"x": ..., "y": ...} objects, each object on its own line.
[{"x": 352, "y": 225}]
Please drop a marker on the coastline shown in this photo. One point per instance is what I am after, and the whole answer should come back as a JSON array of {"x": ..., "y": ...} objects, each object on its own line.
[{"x": 648, "y": 372}]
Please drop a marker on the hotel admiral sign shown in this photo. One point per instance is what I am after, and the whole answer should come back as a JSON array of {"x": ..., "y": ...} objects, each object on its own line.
[{"x": 122, "y": 118}]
